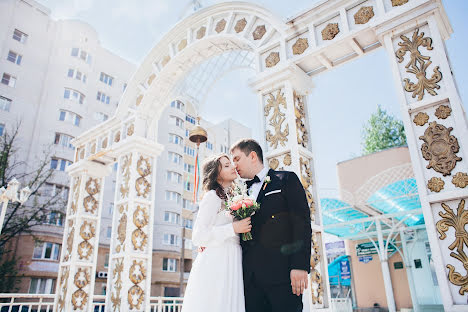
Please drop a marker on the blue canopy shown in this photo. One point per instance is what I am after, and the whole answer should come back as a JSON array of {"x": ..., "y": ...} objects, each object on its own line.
[{"x": 335, "y": 272}]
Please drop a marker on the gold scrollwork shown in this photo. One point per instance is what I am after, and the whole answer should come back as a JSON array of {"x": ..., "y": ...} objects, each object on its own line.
[
  {"x": 421, "y": 119},
  {"x": 80, "y": 297},
  {"x": 273, "y": 163},
  {"x": 142, "y": 186},
  {"x": 272, "y": 59},
  {"x": 307, "y": 182},
  {"x": 363, "y": 15},
  {"x": 458, "y": 222},
  {"x": 259, "y": 32},
  {"x": 299, "y": 110},
  {"x": 460, "y": 179},
  {"x": 76, "y": 194},
  {"x": 330, "y": 31},
  {"x": 440, "y": 148},
  {"x": 136, "y": 295},
  {"x": 315, "y": 276},
  {"x": 150, "y": 79},
  {"x": 117, "y": 272},
  {"x": 418, "y": 65},
  {"x": 140, "y": 219},
  {"x": 435, "y": 184},
  {"x": 399, "y": 2},
  {"x": 87, "y": 232},
  {"x": 130, "y": 129},
  {"x": 443, "y": 111},
  {"x": 70, "y": 239},
  {"x": 125, "y": 177},
  {"x": 121, "y": 231},
  {"x": 117, "y": 137},
  {"x": 240, "y": 25},
  {"x": 90, "y": 203},
  {"x": 182, "y": 44},
  {"x": 276, "y": 120},
  {"x": 287, "y": 160},
  {"x": 300, "y": 46},
  {"x": 137, "y": 274},
  {"x": 104, "y": 143},
  {"x": 220, "y": 26},
  {"x": 201, "y": 32},
  {"x": 63, "y": 288}
]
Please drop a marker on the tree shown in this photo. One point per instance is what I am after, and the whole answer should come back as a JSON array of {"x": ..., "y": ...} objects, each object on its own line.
[
  {"x": 382, "y": 131},
  {"x": 22, "y": 219}
]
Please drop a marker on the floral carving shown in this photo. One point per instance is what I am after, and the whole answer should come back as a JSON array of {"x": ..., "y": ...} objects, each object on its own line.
[
  {"x": 63, "y": 289},
  {"x": 165, "y": 60},
  {"x": 276, "y": 120},
  {"x": 418, "y": 65},
  {"x": 117, "y": 137},
  {"x": 259, "y": 32},
  {"x": 151, "y": 79},
  {"x": 307, "y": 182},
  {"x": 460, "y": 179},
  {"x": 330, "y": 31},
  {"x": 300, "y": 46},
  {"x": 201, "y": 32},
  {"x": 274, "y": 163},
  {"x": 272, "y": 59},
  {"x": 421, "y": 119},
  {"x": 364, "y": 15},
  {"x": 80, "y": 297},
  {"x": 440, "y": 148},
  {"x": 399, "y": 2},
  {"x": 240, "y": 25},
  {"x": 316, "y": 284},
  {"x": 121, "y": 230},
  {"x": 87, "y": 232},
  {"x": 137, "y": 274},
  {"x": 90, "y": 203},
  {"x": 140, "y": 220},
  {"x": 443, "y": 111},
  {"x": 435, "y": 184},
  {"x": 458, "y": 222},
  {"x": 125, "y": 177},
  {"x": 220, "y": 26},
  {"x": 104, "y": 143},
  {"x": 76, "y": 194},
  {"x": 287, "y": 159},
  {"x": 299, "y": 111},
  {"x": 142, "y": 185},
  {"x": 182, "y": 44},
  {"x": 130, "y": 129},
  {"x": 139, "y": 99},
  {"x": 117, "y": 274}
]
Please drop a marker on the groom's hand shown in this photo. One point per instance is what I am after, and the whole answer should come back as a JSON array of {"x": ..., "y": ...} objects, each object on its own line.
[{"x": 298, "y": 281}]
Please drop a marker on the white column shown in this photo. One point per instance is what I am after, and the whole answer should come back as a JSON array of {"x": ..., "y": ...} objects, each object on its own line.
[
  {"x": 437, "y": 132},
  {"x": 385, "y": 270},
  {"x": 75, "y": 283},
  {"x": 409, "y": 271}
]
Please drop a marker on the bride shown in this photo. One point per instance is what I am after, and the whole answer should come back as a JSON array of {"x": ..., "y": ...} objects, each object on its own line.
[{"x": 215, "y": 283}]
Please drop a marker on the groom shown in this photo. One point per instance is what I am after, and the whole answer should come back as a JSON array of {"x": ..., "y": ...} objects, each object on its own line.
[{"x": 276, "y": 262}]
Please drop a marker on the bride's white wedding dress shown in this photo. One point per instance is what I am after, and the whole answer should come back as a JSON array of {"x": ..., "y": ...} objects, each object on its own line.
[{"x": 215, "y": 283}]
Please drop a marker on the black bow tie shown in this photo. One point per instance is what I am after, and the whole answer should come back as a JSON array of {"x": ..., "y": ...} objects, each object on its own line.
[{"x": 250, "y": 182}]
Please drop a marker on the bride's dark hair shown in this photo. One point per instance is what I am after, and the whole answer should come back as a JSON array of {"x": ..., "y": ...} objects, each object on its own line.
[{"x": 211, "y": 168}]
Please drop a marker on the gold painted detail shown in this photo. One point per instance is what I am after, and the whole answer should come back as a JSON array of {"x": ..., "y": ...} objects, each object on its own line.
[
  {"x": 142, "y": 186},
  {"x": 90, "y": 204},
  {"x": 182, "y": 44},
  {"x": 460, "y": 179},
  {"x": 116, "y": 298},
  {"x": 139, "y": 99},
  {"x": 330, "y": 31},
  {"x": 277, "y": 119},
  {"x": 80, "y": 297},
  {"x": 140, "y": 220},
  {"x": 273, "y": 163},
  {"x": 399, "y": 2},
  {"x": 458, "y": 222},
  {"x": 364, "y": 15},
  {"x": 151, "y": 79},
  {"x": 136, "y": 294},
  {"x": 130, "y": 129},
  {"x": 220, "y": 26},
  {"x": 93, "y": 148},
  {"x": 70, "y": 238},
  {"x": 440, "y": 148},
  {"x": 104, "y": 143},
  {"x": 76, "y": 194},
  {"x": 300, "y": 46},
  {"x": 85, "y": 248},
  {"x": 165, "y": 60},
  {"x": 240, "y": 25},
  {"x": 125, "y": 176},
  {"x": 201, "y": 32},
  {"x": 316, "y": 284},
  {"x": 287, "y": 159},
  {"x": 259, "y": 31},
  {"x": 121, "y": 230},
  {"x": 418, "y": 65},
  {"x": 307, "y": 182},
  {"x": 82, "y": 152},
  {"x": 443, "y": 111},
  {"x": 117, "y": 137},
  {"x": 63, "y": 289},
  {"x": 435, "y": 184},
  {"x": 272, "y": 59},
  {"x": 299, "y": 110},
  {"x": 421, "y": 119}
]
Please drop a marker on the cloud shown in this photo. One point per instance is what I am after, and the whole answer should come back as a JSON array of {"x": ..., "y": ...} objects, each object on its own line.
[
  {"x": 139, "y": 11},
  {"x": 69, "y": 8}
]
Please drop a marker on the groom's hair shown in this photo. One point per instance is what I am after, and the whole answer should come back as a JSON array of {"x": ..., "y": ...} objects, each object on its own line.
[{"x": 247, "y": 146}]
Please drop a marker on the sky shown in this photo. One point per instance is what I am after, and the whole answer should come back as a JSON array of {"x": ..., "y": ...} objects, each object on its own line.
[{"x": 342, "y": 101}]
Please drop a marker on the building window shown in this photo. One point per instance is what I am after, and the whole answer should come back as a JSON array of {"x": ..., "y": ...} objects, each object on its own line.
[
  {"x": 72, "y": 73},
  {"x": 171, "y": 217},
  {"x": 189, "y": 168},
  {"x": 188, "y": 243},
  {"x": 188, "y": 186},
  {"x": 106, "y": 260},
  {"x": 85, "y": 56},
  {"x": 42, "y": 286},
  {"x": 170, "y": 265},
  {"x": 190, "y": 119},
  {"x": 106, "y": 79},
  {"x": 51, "y": 190},
  {"x": 177, "y": 121},
  {"x": 74, "y": 95},
  {"x": 14, "y": 57},
  {"x": 59, "y": 164},
  {"x": 174, "y": 177},
  {"x": 48, "y": 251},
  {"x": 5, "y": 103},
  {"x": 188, "y": 224},
  {"x": 2, "y": 129},
  {"x": 54, "y": 218},
  {"x": 173, "y": 196},
  {"x": 188, "y": 204},
  {"x": 63, "y": 139},
  {"x": 20, "y": 36},
  {"x": 223, "y": 149},
  {"x": 109, "y": 232},
  {"x": 175, "y": 158},
  {"x": 176, "y": 139},
  {"x": 102, "y": 97},
  {"x": 209, "y": 146},
  {"x": 189, "y": 151},
  {"x": 171, "y": 239},
  {"x": 9, "y": 80},
  {"x": 100, "y": 116},
  {"x": 178, "y": 104},
  {"x": 70, "y": 117},
  {"x": 111, "y": 208}
]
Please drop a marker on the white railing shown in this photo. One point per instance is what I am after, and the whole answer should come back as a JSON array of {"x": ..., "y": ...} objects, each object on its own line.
[
  {"x": 45, "y": 303},
  {"x": 341, "y": 305}
]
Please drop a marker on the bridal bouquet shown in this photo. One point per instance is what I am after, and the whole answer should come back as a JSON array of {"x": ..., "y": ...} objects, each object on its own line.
[{"x": 240, "y": 204}]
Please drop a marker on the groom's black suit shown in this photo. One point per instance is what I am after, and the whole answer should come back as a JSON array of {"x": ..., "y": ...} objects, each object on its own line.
[{"x": 281, "y": 242}]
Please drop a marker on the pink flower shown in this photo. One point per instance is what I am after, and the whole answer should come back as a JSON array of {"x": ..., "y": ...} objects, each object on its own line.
[
  {"x": 248, "y": 202},
  {"x": 236, "y": 206}
]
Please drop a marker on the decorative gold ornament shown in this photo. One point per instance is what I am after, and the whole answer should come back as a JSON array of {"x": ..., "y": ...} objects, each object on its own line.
[
  {"x": 259, "y": 32},
  {"x": 443, "y": 111},
  {"x": 220, "y": 26},
  {"x": 70, "y": 238},
  {"x": 138, "y": 100},
  {"x": 76, "y": 194},
  {"x": 125, "y": 177},
  {"x": 151, "y": 79},
  {"x": 165, "y": 60},
  {"x": 399, "y": 2},
  {"x": 137, "y": 272},
  {"x": 330, "y": 31},
  {"x": 272, "y": 59},
  {"x": 300, "y": 46},
  {"x": 117, "y": 275},
  {"x": 201, "y": 32},
  {"x": 287, "y": 159},
  {"x": 460, "y": 179},
  {"x": 135, "y": 293},
  {"x": 121, "y": 231},
  {"x": 130, "y": 129},
  {"x": 182, "y": 44},
  {"x": 418, "y": 65},
  {"x": 299, "y": 111},
  {"x": 276, "y": 120},
  {"x": 90, "y": 204},
  {"x": 316, "y": 284},
  {"x": 104, "y": 143},
  {"x": 63, "y": 289},
  {"x": 364, "y": 15},
  {"x": 139, "y": 240},
  {"x": 80, "y": 297},
  {"x": 421, "y": 119},
  {"x": 93, "y": 148},
  {"x": 273, "y": 163},
  {"x": 240, "y": 25},
  {"x": 458, "y": 222},
  {"x": 142, "y": 185},
  {"x": 140, "y": 220},
  {"x": 82, "y": 152},
  {"x": 85, "y": 250},
  {"x": 435, "y": 184},
  {"x": 87, "y": 232},
  {"x": 140, "y": 217},
  {"x": 307, "y": 182},
  {"x": 440, "y": 148},
  {"x": 117, "y": 137}
]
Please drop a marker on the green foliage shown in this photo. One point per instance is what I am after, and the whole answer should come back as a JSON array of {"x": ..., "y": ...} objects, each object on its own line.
[{"x": 382, "y": 131}]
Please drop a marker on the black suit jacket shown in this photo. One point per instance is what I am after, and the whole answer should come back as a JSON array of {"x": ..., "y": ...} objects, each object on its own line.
[{"x": 281, "y": 231}]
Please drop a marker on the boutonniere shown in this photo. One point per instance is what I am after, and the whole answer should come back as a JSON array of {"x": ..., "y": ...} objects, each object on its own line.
[{"x": 267, "y": 180}]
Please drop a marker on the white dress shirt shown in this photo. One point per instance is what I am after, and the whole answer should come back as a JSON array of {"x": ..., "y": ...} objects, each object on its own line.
[{"x": 255, "y": 189}]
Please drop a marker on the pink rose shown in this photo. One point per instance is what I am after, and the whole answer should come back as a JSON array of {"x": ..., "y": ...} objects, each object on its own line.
[
  {"x": 248, "y": 202},
  {"x": 236, "y": 206}
]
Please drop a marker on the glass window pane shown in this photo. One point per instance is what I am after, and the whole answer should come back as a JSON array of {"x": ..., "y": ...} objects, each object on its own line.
[
  {"x": 48, "y": 251},
  {"x": 33, "y": 286}
]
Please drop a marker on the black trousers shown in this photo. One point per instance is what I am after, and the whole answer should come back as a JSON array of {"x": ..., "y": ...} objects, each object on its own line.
[{"x": 270, "y": 298}]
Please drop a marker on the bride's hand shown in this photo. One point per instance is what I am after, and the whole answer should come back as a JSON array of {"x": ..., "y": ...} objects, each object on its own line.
[{"x": 242, "y": 226}]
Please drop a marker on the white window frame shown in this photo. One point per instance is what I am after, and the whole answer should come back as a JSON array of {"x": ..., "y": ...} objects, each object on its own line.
[
  {"x": 176, "y": 139},
  {"x": 171, "y": 217},
  {"x": 174, "y": 196},
  {"x": 99, "y": 116},
  {"x": 70, "y": 117},
  {"x": 9, "y": 80},
  {"x": 73, "y": 95},
  {"x": 5, "y": 103},
  {"x": 42, "y": 249},
  {"x": 14, "y": 57},
  {"x": 63, "y": 140},
  {"x": 107, "y": 79},
  {"x": 49, "y": 285},
  {"x": 171, "y": 240},
  {"x": 175, "y": 156},
  {"x": 20, "y": 36},
  {"x": 173, "y": 177},
  {"x": 171, "y": 264}
]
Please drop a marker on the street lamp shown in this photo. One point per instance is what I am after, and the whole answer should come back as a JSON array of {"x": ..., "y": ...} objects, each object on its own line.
[{"x": 11, "y": 194}]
